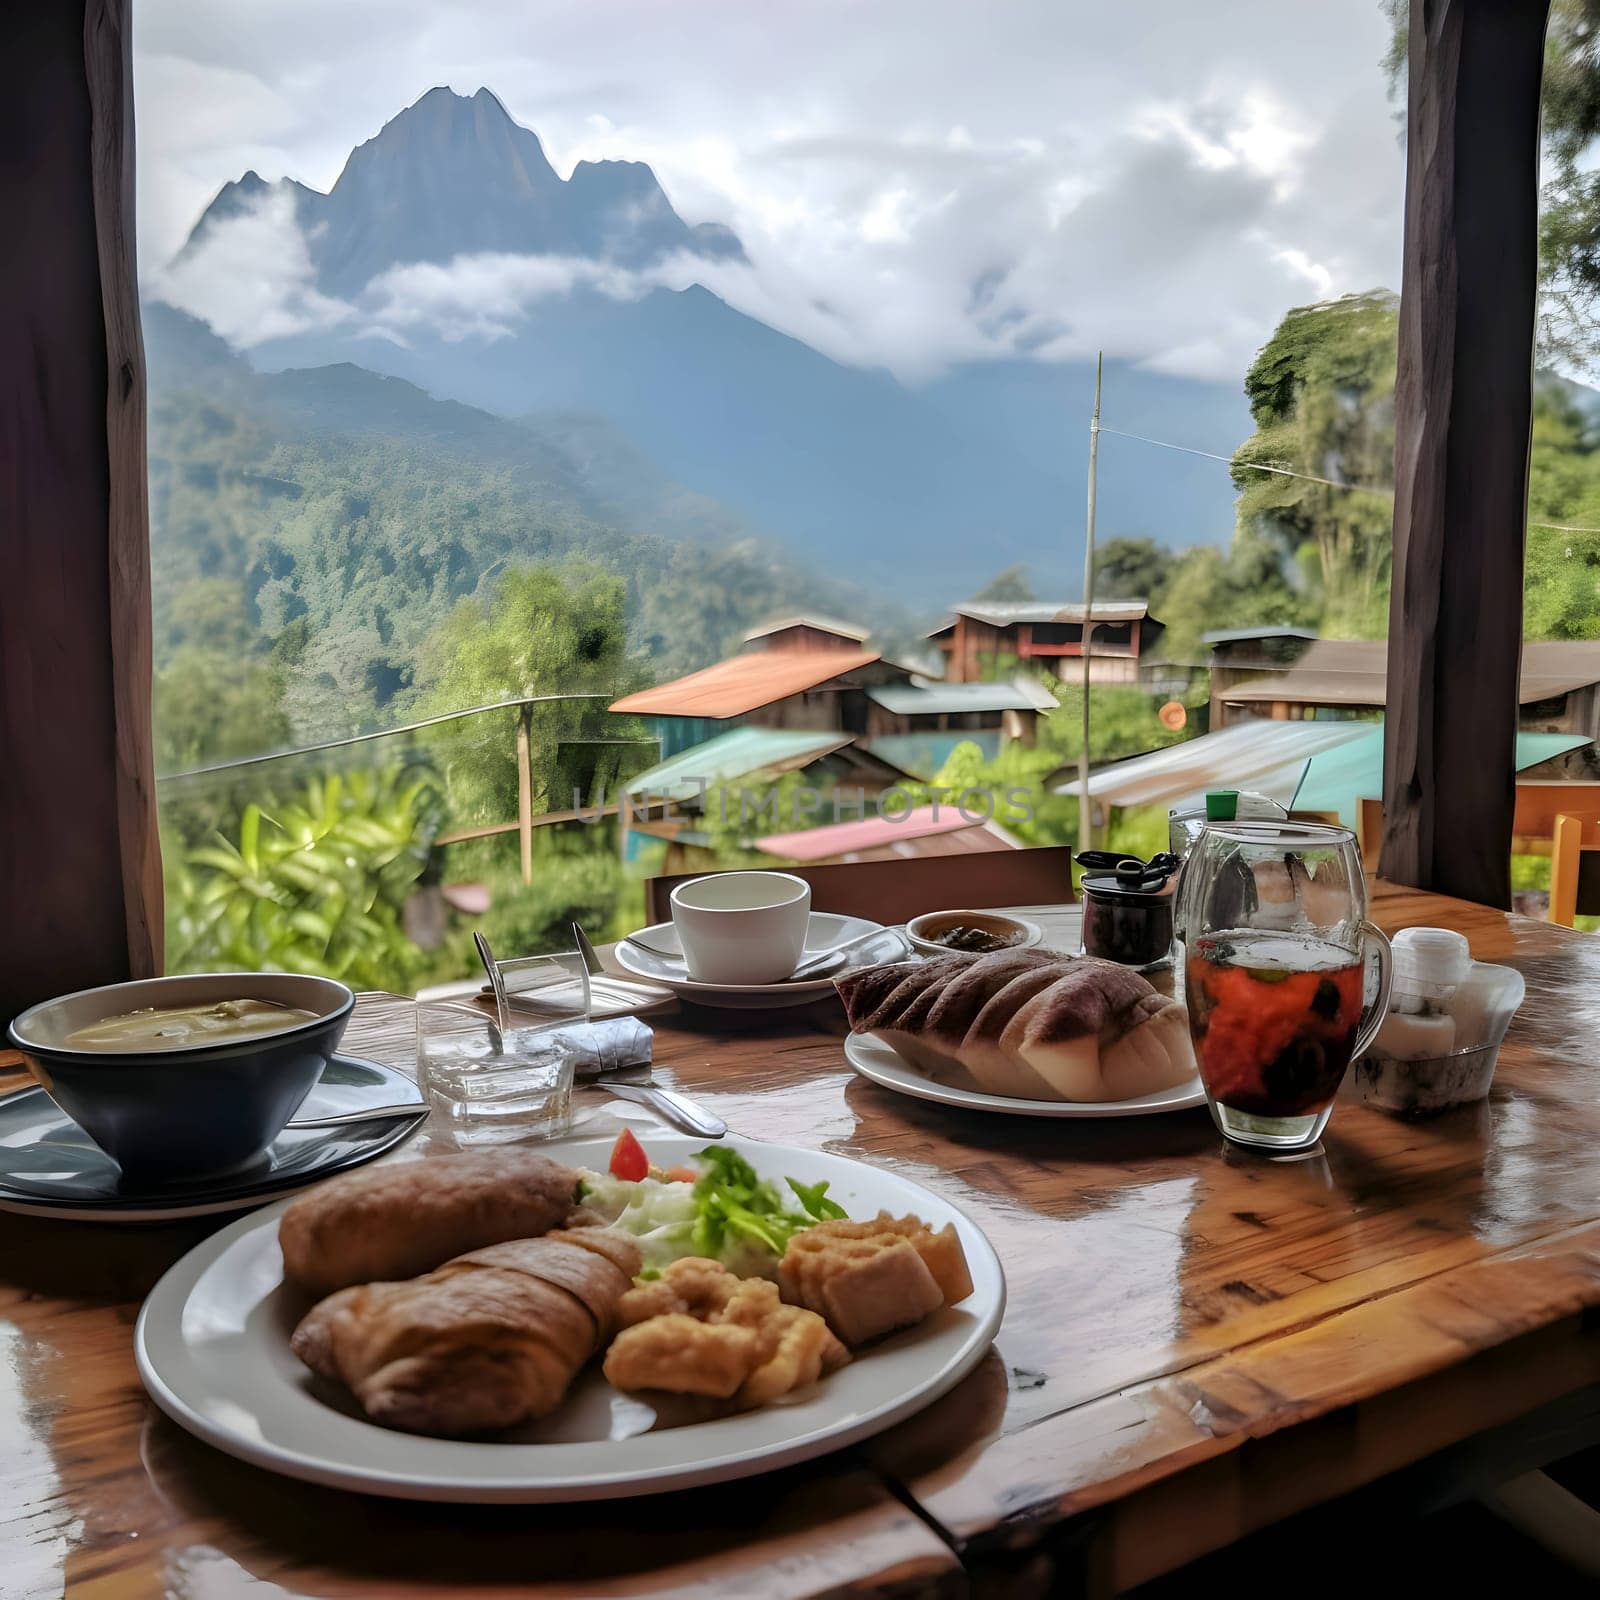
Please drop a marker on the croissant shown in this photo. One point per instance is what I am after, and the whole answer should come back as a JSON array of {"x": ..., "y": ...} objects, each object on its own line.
[
  {"x": 486, "y": 1341},
  {"x": 396, "y": 1221},
  {"x": 1027, "y": 1024}
]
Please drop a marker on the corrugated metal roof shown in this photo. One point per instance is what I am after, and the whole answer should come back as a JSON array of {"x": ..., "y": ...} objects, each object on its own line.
[
  {"x": 742, "y": 683},
  {"x": 929, "y": 830},
  {"x": 736, "y": 754},
  {"x": 1002, "y": 613},
  {"x": 845, "y": 630},
  {"x": 1236, "y": 635},
  {"x": 1354, "y": 672},
  {"x": 1337, "y": 780},
  {"x": 1231, "y": 758},
  {"x": 930, "y": 697}
]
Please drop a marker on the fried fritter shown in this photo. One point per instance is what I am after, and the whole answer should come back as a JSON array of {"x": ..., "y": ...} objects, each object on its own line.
[
  {"x": 868, "y": 1278},
  {"x": 698, "y": 1329}
]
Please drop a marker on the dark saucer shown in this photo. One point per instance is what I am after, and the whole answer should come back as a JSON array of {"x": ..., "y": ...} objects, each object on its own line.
[{"x": 48, "y": 1164}]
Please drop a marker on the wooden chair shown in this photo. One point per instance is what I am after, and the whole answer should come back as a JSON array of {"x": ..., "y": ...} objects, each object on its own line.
[
  {"x": 892, "y": 891},
  {"x": 1575, "y": 866},
  {"x": 1369, "y": 831},
  {"x": 1539, "y": 808}
]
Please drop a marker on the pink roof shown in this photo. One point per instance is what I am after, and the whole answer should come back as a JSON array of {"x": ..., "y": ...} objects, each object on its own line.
[{"x": 871, "y": 833}]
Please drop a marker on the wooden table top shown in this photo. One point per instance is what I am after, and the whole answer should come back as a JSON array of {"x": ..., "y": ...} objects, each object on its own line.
[{"x": 1196, "y": 1343}]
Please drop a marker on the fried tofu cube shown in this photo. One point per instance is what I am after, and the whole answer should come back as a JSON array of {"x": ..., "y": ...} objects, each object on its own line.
[
  {"x": 868, "y": 1278},
  {"x": 681, "y": 1354},
  {"x": 890, "y": 1288}
]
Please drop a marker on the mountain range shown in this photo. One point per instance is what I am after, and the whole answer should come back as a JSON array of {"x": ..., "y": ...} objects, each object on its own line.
[{"x": 922, "y": 492}]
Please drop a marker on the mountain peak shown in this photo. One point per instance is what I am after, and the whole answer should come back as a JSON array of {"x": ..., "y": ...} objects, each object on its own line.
[{"x": 456, "y": 174}]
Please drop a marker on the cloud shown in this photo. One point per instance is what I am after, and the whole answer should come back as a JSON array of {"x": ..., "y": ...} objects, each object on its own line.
[
  {"x": 917, "y": 182},
  {"x": 251, "y": 277},
  {"x": 483, "y": 296}
]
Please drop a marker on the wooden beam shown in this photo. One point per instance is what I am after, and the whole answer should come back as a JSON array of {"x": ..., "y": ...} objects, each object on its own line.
[
  {"x": 77, "y": 833},
  {"x": 525, "y": 790},
  {"x": 108, "y": 64},
  {"x": 1463, "y": 400}
]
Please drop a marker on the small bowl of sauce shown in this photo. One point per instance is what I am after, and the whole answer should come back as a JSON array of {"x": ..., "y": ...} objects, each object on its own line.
[{"x": 943, "y": 933}]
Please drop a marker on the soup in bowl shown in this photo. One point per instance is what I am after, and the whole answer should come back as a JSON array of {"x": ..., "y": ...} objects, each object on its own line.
[{"x": 189, "y": 1076}]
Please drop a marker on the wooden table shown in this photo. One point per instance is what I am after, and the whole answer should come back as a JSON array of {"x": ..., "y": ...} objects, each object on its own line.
[{"x": 1196, "y": 1345}]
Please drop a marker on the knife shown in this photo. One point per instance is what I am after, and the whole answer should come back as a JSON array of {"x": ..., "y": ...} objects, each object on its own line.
[{"x": 636, "y": 1083}]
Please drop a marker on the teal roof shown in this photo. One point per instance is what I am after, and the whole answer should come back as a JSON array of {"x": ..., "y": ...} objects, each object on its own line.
[
  {"x": 924, "y": 754},
  {"x": 1337, "y": 779},
  {"x": 731, "y": 756}
]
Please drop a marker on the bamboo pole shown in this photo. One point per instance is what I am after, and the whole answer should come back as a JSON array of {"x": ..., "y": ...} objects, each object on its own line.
[
  {"x": 525, "y": 790},
  {"x": 1085, "y": 815}
]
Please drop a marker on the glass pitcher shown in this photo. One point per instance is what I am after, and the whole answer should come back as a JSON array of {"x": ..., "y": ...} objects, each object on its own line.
[{"x": 1278, "y": 962}]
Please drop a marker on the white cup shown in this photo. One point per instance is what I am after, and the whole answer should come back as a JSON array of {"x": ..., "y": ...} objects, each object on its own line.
[{"x": 742, "y": 927}]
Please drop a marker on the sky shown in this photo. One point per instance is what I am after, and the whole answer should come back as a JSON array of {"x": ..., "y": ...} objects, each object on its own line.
[{"x": 916, "y": 182}]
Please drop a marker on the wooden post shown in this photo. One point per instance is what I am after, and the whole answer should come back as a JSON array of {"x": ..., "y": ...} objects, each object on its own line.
[
  {"x": 1085, "y": 812},
  {"x": 525, "y": 789},
  {"x": 79, "y": 861},
  {"x": 1463, "y": 402}
]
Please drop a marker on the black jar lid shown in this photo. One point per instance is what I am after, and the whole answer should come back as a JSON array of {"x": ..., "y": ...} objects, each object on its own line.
[{"x": 1126, "y": 878}]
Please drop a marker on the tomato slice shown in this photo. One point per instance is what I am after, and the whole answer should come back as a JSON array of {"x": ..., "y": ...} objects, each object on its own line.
[{"x": 628, "y": 1159}]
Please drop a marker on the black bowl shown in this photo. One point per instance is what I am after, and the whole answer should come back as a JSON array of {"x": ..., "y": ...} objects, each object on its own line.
[{"x": 193, "y": 1111}]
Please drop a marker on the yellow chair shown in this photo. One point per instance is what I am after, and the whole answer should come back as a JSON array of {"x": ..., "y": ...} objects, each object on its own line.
[{"x": 1575, "y": 866}]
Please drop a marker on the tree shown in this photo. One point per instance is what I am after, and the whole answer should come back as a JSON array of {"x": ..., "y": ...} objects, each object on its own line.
[
  {"x": 1234, "y": 588},
  {"x": 217, "y": 694},
  {"x": 547, "y": 630},
  {"x": 1321, "y": 392},
  {"x": 1131, "y": 569},
  {"x": 1569, "y": 214},
  {"x": 1011, "y": 585}
]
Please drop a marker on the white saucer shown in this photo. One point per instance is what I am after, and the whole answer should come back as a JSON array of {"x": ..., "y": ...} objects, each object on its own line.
[
  {"x": 826, "y": 930},
  {"x": 881, "y": 1063}
]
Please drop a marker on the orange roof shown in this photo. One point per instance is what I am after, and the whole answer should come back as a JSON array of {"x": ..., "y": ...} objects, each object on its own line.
[{"x": 742, "y": 683}]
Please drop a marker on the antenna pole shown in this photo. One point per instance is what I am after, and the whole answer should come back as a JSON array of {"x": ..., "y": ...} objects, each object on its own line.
[{"x": 1085, "y": 839}]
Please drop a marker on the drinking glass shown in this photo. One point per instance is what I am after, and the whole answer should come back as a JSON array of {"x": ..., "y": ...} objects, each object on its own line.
[
  {"x": 1278, "y": 953},
  {"x": 492, "y": 1083}
]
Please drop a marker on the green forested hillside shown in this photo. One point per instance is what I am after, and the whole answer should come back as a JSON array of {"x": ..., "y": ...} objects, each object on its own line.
[{"x": 312, "y": 530}]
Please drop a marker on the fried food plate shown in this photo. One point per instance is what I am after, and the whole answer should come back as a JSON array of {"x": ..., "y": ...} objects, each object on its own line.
[{"x": 212, "y": 1345}]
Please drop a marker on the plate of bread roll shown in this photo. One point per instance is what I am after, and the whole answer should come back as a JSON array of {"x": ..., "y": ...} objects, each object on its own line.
[
  {"x": 586, "y": 1320},
  {"x": 1031, "y": 1032}
]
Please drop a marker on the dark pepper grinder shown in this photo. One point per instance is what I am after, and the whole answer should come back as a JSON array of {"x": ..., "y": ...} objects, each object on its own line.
[{"x": 1127, "y": 907}]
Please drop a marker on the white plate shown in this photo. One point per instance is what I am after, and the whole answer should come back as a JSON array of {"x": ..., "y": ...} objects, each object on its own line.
[
  {"x": 826, "y": 930},
  {"x": 879, "y": 1061},
  {"x": 212, "y": 1346}
]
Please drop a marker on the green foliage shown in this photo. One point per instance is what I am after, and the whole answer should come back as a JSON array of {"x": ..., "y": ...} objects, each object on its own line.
[
  {"x": 344, "y": 550},
  {"x": 550, "y": 630},
  {"x": 1243, "y": 585},
  {"x": 1010, "y": 585},
  {"x": 1569, "y": 213},
  {"x": 1321, "y": 392},
  {"x": 317, "y": 884},
  {"x": 217, "y": 695},
  {"x": 1132, "y": 569}
]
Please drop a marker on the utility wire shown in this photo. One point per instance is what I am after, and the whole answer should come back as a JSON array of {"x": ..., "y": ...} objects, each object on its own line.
[{"x": 1304, "y": 477}]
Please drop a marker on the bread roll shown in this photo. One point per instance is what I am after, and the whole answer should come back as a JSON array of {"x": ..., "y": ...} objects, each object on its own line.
[
  {"x": 486, "y": 1341},
  {"x": 1027, "y": 1024},
  {"x": 395, "y": 1221}
]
